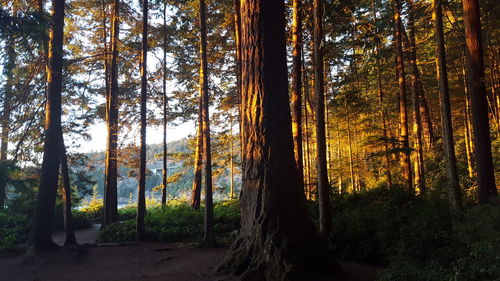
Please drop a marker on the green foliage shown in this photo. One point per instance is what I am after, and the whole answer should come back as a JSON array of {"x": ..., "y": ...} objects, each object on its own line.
[
  {"x": 413, "y": 238},
  {"x": 175, "y": 222},
  {"x": 14, "y": 229}
]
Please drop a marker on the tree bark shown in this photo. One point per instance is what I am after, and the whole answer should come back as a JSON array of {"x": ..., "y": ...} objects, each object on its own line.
[
  {"x": 41, "y": 228},
  {"x": 296, "y": 93},
  {"x": 66, "y": 194},
  {"x": 403, "y": 116},
  {"x": 325, "y": 216},
  {"x": 278, "y": 240},
  {"x": 196, "y": 187},
  {"x": 165, "y": 101},
  {"x": 237, "y": 37},
  {"x": 446, "y": 124},
  {"x": 417, "y": 120},
  {"x": 141, "y": 191},
  {"x": 479, "y": 104},
  {"x": 208, "y": 225},
  {"x": 111, "y": 175}
]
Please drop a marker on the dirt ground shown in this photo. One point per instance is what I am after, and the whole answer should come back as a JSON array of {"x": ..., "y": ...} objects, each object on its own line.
[{"x": 130, "y": 261}]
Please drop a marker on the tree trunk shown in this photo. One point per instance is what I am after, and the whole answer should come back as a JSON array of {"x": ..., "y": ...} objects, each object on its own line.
[
  {"x": 278, "y": 240},
  {"x": 7, "y": 106},
  {"x": 325, "y": 216},
  {"x": 111, "y": 175},
  {"x": 237, "y": 37},
  {"x": 296, "y": 93},
  {"x": 442, "y": 74},
  {"x": 165, "y": 101},
  {"x": 208, "y": 236},
  {"x": 403, "y": 116},
  {"x": 417, "y": 120},
  {"x": 479, "y": 103},
  {"x": 381, "y": 98},
  {"x": 66, "y": 194},
  {"x": 141, "y": 192},
  {"x": 41, "y": 228},
  {"x": 196, "y": 187}
]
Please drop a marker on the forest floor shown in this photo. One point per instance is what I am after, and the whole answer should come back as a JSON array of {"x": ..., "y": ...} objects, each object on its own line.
[{"x": 130, "y": 261}]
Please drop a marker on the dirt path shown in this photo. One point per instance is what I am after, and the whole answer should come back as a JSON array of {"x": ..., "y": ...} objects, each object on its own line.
[
  {"x": 131, "y": 261},
  {"x": 85, "y": 236}
]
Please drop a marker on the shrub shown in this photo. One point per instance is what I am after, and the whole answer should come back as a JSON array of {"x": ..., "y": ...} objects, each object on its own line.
[{"x": 14, "y": 229}]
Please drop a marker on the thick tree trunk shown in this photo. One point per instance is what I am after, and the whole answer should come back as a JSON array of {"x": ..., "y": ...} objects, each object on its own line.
[
  {"x": 417, "y": 120},
  {"x": 165, "y": 101},
  {"x": 479, "y": 103},
  {"x": 141, "y": 191},
  {"x": 442, "y": 74},
  {"x": 111, "y": 174},
  {"x": 208, "y": 226},
  {"x": 403, "y": 115},
  {"x": 278, "y": 240},
  {"x": 296, "y": 93},
  {"x": 66, "y": 194},
  {"x": 383, "y": 113},
  {"x": 41, "y": 228},
  {"x": 325, "y": 216}
]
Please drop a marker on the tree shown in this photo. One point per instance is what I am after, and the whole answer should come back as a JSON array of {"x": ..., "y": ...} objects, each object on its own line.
[
  {"x": 277, "y": 240},
  {"x": 165, "y": 104},
  {"x": 453, "y": 187},
  {"x": 198, "y": 159},
  {"x": 41, "y": 228},
  {"x": 415, "y": 93},
  {"x": 296, "y": 93},
  {"x": 479, "y": 104},
  {"x": 112, "y": 106},
  {"x": 403, "y": 115},
  {"x": 323, "y": 185},
  {"x": 141, "y": 192},
  {"x": 208, "y": 231}
]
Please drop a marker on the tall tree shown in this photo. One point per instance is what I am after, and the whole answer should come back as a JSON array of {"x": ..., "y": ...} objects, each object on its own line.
[
  {"x": 112, "y": 106},
  {"x": 164, "y": 92},
  {"x": 278, "y": 240},
  {"x": 444, "y": 96},
  {"x": 415, "y": 93},
  {"x": 198, "y": 159},
  {"x": 208, "y": 236},
  {"x": 296, "y": 93},
  {"x": 479, "y": 104},
  {"x": 141, "y": 192},
  {"x": 41, "y": 228},
  {"x": 325, "y": 217},
  {"x": 403, "y": 115}
]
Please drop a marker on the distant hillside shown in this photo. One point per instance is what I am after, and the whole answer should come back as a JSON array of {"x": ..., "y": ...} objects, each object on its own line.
[{"x": 179, "y": 171}]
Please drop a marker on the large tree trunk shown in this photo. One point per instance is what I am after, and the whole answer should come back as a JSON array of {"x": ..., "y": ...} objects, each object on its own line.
[
  {"x": 41, "y": 228},
  {"x": 111, "y": 174},
  {"x": 66, "y": 194},
  {"x": 208, "y": 229},
  {"x": 325, "y": 216},
  {"x": 417, "y": 120},
  {"x": 479, "y": 104},
  {"x": 164, "y": 89},
  {"x": 383, "y": 113},
  {"x": 237, "y": 39},
  {"x": 403, "y": 115},
  {"x": 278, "y": 240},
  {"x": 442, "y": 74},
  {"x": 296, "y": 93},
  {"x": 141, "y": 191}
]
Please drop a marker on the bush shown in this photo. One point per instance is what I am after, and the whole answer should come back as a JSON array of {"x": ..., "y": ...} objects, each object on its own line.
[
  {"x": 14, "y": 229},
  {"x": 175, "y": 222}
]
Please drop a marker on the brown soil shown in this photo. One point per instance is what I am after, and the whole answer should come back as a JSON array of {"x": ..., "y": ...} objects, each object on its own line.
[{"x": 130, "y": 261}]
